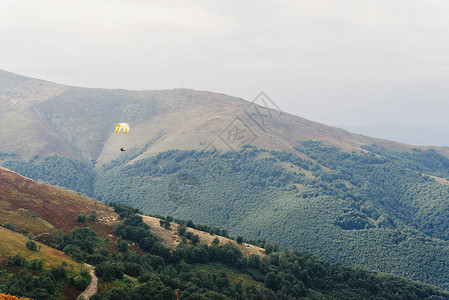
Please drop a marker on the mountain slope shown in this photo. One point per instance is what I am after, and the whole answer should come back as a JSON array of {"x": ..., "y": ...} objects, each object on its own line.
[
  {"x": 194, "y": 270},
  {"x": 255, "y": 172},
  {"x": 171, "y": 237},
  {"x": 42, "y": 118},
  {"x": 22, "y": 130},
  {"x": 41, "y": 209},
  {"x": 378, "y": 212},
  {"x": 44, "y": 213},
  {"x": 14, "y": 243}
]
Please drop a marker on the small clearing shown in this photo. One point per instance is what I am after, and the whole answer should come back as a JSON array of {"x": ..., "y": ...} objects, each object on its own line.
[
  {"x": 170, "y": 237},
  {"x": 438, "y": 179}
]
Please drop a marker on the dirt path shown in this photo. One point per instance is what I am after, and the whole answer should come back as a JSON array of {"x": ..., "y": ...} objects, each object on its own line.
[{"x": 92, "y": 288}]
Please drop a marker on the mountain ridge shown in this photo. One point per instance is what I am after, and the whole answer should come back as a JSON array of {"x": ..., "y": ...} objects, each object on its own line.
[{"x": 79, "y": 122}]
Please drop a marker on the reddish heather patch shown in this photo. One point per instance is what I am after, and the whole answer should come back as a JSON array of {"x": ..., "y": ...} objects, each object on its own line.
[{"x": 55, "y": 206}]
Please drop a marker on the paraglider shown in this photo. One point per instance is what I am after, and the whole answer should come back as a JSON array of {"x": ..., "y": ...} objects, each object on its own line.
[{"x": 124, "y": 126}]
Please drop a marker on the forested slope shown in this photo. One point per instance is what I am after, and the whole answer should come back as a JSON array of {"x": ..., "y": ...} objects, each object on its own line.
[
  {"x": 133, "y": 263},
  {"x": 374, "y": 208},
  {"x": 220, "y": 271}
]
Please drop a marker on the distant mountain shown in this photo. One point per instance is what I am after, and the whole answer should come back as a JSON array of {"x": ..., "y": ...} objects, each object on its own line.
[
  {"x": 252, "y": 170},
  {"x": 40, "y": 117},
  {"x": 415, "y": 134}
]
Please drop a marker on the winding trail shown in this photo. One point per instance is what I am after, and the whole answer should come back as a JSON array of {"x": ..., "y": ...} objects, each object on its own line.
[{"x": 92, "y": 288}]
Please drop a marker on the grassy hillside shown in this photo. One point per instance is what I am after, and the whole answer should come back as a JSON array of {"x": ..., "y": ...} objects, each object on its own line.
[
  {"x": 40, "y": 273},
  {"x": 45, "y": 213},
  {"x": 34, "y": 207},
  {"x": 197, "y": 264},
  {"x": 14, "y": 243},
  {"x": 41, "y": 118},
  {"x": 171, "y": 238}
]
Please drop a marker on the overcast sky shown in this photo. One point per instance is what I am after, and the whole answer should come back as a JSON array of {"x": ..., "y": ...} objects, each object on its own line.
[{"x": 345, "y": 62}]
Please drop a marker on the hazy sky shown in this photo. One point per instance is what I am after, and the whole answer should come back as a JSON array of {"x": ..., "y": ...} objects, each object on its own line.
[{"x": 345, "y": 62}]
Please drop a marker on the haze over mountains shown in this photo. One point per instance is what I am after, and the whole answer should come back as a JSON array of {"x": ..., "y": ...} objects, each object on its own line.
[
  {"x": 416, "y": 134},
  {"x": 226, "y": 162}
]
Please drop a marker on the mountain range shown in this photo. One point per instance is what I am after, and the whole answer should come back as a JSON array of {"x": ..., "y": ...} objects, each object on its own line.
[
  {"x": 244, "y": 166},
  {"x": 55, "y": 244},
  {"x": 43, "y": 118}
]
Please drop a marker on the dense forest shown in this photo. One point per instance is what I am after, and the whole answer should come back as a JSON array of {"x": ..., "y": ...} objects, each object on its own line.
[
  {"x": 377, "y": 209},
  {"x": 199, "y": 271},
  {"x": 75, "y": 175}
]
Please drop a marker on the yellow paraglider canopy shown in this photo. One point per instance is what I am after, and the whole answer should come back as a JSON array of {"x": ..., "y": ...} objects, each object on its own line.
[{"x": 124, "y": 126}]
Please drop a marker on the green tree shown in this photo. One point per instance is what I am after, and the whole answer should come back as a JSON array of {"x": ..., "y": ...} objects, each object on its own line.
[
  {"x": 31, "y": 245},
  {"x": 109, "y": 271},
  {"x": 93, "y": 216},
  {"x": 195, "y": 239},
  {"x": 123, "y": 246},
  {"x": 81, "y": 218},
  {"x": 167, "y": 224},
  {"x": 182, "y": 230},
  {"x": 35, "y": 264},
  {"x": 269, "y": 248}
]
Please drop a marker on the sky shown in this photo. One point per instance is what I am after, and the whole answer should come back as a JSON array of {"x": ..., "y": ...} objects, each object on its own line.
[{"x": 343, "y": 63}]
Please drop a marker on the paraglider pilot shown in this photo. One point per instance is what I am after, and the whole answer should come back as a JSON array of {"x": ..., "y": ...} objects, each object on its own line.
[{"x": 125, "y": 127}]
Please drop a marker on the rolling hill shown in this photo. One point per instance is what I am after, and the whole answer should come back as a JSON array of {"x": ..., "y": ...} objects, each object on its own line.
[
  {"x": 210, "y": 266},
  {"x": 40, "y": 118},
  {"x": 222, "y": 161},
  {"x": 35, "y": 207},
  {"x": 32, "y": 217}
]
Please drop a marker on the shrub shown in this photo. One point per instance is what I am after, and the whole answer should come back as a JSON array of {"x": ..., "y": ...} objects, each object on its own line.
[
  {"x": 31, "y": 245},
  {"x": 81, "y": 218},
  {"x": 93, "y": 216}
]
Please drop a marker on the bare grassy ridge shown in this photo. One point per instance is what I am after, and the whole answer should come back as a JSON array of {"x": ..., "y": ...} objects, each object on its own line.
[
  {"x": 34, "y": 207},
  {"x": 40, "y": 117},
  {"x": 170, "y": 237}
]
